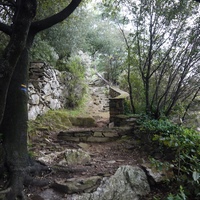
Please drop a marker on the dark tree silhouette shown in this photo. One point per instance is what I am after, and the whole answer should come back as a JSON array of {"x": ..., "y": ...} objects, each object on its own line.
[{"x": 13, "y": 87}]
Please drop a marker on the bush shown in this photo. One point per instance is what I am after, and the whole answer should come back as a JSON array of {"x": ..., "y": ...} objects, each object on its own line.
[
  {"x": 185, "y": 142},
  {"x": 77, "y": 86}
]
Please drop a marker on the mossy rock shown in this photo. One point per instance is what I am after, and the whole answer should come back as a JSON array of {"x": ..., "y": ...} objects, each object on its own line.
[
  {"x": 51, "y": 121},
  {"x": 83, "y": 121},
  {"x": 56, "y": 118}
]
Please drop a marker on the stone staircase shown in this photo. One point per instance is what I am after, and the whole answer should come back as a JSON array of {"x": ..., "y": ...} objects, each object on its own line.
[
  {"x": 98, "y": 100},
  {"x": 93, "y": 135},
  {"x": 104, "y": 105}
]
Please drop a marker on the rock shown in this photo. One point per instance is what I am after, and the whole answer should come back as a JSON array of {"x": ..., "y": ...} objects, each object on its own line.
[
  {"x": 54, "y": 83},
  {"x": 50, "y": 158},
  {"x": 155, "y": 175},
  {"x": 35, "y": 99},
  {"x": 83, "y": 146},
  {"x": 98, "y": 139},
  {"x": 73, "y": 157},
  {"x": 67, "y": 157},
  {"x": 49, "y": 194},
  {"x": 54, "y": 104},
  {"x": 98, "y": 134},
  {"x": 34, "y": 111},
  {"x": 128, "y": 183},
  {"x": 110, "y": 134},
  {"x": 47, "y": 89},
  {"x": 78, "y": 185},
  {"x": 37, "y": 197},
  {"x": 111, "y": 161},
  {"x": 83, "y": 121}
]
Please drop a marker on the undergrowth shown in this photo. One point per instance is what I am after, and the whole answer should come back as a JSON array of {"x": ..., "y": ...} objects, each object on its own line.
[{"x": 185, "y": 143}]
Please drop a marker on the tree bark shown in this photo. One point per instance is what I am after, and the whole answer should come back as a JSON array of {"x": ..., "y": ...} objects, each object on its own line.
[
  {"x": 14, "y": 94},
  {"x": 18, "y": 33},
  {"x": 129, "y": 82},
  {"x": 14, "y": 127}
]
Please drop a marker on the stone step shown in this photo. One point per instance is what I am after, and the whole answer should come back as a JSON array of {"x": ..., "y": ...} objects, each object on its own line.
[{"x": 94, "y": 135}]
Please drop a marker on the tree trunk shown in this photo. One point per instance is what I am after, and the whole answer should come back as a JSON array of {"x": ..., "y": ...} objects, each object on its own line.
[
  {"x": 15, "y": 116},
  {"x": 14, "y": 128},
  {"x": 18, "y": 33},
  {"x": 129, "y": 82}
]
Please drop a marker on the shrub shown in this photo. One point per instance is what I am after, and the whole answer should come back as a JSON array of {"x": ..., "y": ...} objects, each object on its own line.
[
  {"x": 76, "y": 85},
  {"x": 42, "y": 51},
  {"x": 185, "y": 142}
]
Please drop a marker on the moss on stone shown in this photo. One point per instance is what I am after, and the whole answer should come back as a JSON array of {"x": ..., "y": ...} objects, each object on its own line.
[{"x": 82, "y": 121}]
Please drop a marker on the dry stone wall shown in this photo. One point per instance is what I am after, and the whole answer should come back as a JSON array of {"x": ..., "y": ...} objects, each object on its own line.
[{"x": 48, "y": 89}]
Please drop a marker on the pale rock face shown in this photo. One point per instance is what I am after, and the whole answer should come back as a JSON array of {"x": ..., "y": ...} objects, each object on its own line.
[{"x": 58, "y": 93}]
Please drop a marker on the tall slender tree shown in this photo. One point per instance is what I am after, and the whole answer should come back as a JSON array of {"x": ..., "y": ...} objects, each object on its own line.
[
  {"x": 165, "y": 48},
  {"x": 21, "y": 27}
]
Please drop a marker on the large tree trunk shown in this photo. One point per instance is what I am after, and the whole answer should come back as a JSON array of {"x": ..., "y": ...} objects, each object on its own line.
[
  {"x": 18, "y": 33},
  {"x": 14, "y": 128},
  {"x": 15, "y": 116}
]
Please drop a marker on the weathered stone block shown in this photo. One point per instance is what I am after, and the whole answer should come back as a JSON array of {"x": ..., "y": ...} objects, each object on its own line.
[
  {"x": 78, "y": 185},
  {"x": 98, "y": 139},
  {"x": 110, "y": 134},
  {"x": 68, "y": 138},
  {"x": 98, "y": 134}
]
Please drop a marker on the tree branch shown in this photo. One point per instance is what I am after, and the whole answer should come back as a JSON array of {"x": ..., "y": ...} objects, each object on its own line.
[{"x": 54, "y": 19}]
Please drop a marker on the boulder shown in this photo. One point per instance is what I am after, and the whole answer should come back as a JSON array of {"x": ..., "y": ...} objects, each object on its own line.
[
  {"x": 76, "y": 156},
  {"x": 128, "y": 183}
]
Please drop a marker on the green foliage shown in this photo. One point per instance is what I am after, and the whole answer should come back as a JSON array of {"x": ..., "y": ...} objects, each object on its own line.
[
  {"x": 180, "y": 196},
  {"x": 127, "y": 107},
  {"x": 76, "y": 66},
  {"x": 185, "y": 143},
  {"x": 159, "y": 53},
  {"x": 42, "y": 51},
  {"x": 51, "y": 7},
  {"x": 160, "y": 165}
]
